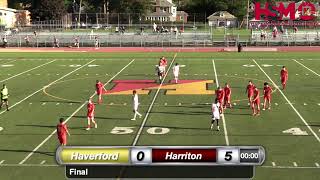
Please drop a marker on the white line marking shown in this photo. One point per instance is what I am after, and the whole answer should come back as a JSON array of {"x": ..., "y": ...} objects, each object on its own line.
[
  {"x": 307, "y": 67},
  {"x": 223, "y": 118},
  {"x": 285, "y": 97},
  {"x": 17, "y": 103},
  {"x": 27, "y": 71},
  {"x": 42, "y": 162},
  {"x": 274, "y": 164},
  {"x": 295, "y": 164},
  {"x": 151, "y": 105},
  {"x": 75, "y": 112},
  {"x": 1, "y": 162},
  {"x": 317, "y": 164},
  {"x": 290, "y": 167}
]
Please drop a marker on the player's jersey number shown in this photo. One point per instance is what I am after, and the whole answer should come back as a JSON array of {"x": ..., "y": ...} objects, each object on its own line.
[{"x": 130, "y": 130}]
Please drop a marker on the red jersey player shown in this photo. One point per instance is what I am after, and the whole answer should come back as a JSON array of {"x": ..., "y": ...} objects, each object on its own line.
[
  {"x": 284, "y": 77},
  {"x": 267, "y": 90},
  {"x": 249, "y": 91},
  {"x": 220, "y": 96},
  {"x": 256, "y": 102},
  {"x": 62, "y": 131},
  {"x": 99, "y": 90},
  {"x": 227, "y": 96},
  {"x": 90, "y": 114}
]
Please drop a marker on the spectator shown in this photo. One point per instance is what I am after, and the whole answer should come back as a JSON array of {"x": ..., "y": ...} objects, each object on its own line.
[
  {"x": 55, "y": 42},
  {"x": 155, "y": 27},
  {"x": 5, "y": 42},
  {"x": 295, "y": 29},
  {"x": 27, "y": 39}
]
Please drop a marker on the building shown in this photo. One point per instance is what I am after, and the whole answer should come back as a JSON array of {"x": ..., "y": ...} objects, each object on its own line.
[
  {"x": 4, "y": 3},
  {"x": 166, "y": 11},
  {"x": 222, "y": 19},
  {"x": 7, "y": 17},
  {"x": 10, "y": 18}
]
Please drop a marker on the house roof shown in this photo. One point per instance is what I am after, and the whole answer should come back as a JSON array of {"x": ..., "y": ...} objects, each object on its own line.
[
  {"x": 221, "y": 15},
  {"x": 163, "y": 3},
  {"x": 182, "y": 13},
  {"x": 163, "y": 14}
]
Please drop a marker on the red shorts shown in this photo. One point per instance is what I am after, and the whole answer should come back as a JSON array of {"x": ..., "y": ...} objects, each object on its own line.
[
  {"x": 268, "y": 98},
  {"x": 62, "y": 139},
  {"x": 256, "y": 102},
  {"x": 250, "y": 95},
  {"x": 99, "y": 92},
  {"x": 283, "y": 80},
  {"x": 90, "y": 115},
  {"x": 220, "y": 101},
  {"x": 227, "y": 100}
]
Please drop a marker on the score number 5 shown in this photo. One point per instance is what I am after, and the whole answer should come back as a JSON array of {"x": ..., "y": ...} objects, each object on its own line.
[{"x": 228, "y": 155}]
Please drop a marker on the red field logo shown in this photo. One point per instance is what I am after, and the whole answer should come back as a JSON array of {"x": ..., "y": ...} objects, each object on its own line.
[
  {"x": 306, "y": 11},
  {"x": 184, "y": 87}
]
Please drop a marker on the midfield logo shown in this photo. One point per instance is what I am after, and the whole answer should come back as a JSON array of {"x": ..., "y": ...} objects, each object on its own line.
[
  {"x": 185, "y": 87},
  {"x": 305, "y": 10}
]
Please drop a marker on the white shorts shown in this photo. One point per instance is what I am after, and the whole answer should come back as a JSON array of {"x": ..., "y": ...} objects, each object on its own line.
[
  {"x": 135, "y": 107},
  {"x": 176, "y": 74}
]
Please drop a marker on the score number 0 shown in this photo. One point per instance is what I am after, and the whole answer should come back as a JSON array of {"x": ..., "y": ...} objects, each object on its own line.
[{"x": 141, "y": 156}]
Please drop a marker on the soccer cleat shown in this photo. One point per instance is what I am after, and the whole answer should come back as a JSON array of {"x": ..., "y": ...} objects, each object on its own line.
[
  {"x": 96, "y": 126},
  {"x": 263, "y": 109},
  {"x": 133, "y": 119},
  {"x": 88, "y": 129},
  {"x": 218, "y": 128},
  {"x": 269, "y": 108}
]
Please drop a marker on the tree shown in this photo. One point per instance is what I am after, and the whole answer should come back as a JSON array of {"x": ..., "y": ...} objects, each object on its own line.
[{"x": 48, "y": 9}]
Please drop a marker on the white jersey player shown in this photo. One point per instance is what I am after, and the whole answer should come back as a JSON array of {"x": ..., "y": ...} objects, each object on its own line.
[
  {"x": 215, "y": 108},
  {"x": 161, "y": 71},
  {"x": 176, "y": 70},
  {"x": 136, "y": 103}
]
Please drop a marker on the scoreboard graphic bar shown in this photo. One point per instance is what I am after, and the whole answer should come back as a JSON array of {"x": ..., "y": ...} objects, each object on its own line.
[{"x": 161, "y": 155}]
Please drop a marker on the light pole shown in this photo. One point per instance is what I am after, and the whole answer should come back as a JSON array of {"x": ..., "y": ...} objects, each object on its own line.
[{"x": 79, "y": 19}]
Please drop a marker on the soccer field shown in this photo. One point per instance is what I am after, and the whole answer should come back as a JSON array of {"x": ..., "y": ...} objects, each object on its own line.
[{"x": 46, "y": 86}]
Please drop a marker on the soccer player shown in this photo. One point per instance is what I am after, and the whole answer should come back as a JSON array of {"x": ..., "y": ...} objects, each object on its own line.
[
  {"x": 215, "y": 109},
  {"x": 99, "y": 90},
  {"x": 62, "y": 131},
  {"x": 220, "y": 97},
  {"x": 176, "y": 70},
  {"x": 135, "y": 105},
  {"x": 90, "y": 115},
  {"x": 227, "y": 96},
  {"x": 55, "y": 42},
  {"x": 164, "y": 62},
  {"x": 96, "y": 42},
  {"x": 4, "y": 97},
  {"x": 77, "y": 42},
  {"x": 267, "y": 90},
  {"x": 249, "y": 91},
  {"x": 284, "y": 77},
  {"x": 161, "y": 72},
  {"x": 256, "y": 102}
]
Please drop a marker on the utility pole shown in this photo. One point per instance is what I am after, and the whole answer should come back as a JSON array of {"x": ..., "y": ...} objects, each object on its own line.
[
  {"x": 248, "y": 4},
  {"x": 105, "y": 7},
  {"x": 79, "y": 19}
]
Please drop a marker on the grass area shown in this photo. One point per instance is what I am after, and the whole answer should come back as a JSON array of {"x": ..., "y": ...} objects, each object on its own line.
[{"x": 35, "y": 112}]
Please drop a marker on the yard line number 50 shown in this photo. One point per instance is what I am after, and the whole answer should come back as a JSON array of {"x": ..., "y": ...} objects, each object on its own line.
[{"x": 130, "y": 130}]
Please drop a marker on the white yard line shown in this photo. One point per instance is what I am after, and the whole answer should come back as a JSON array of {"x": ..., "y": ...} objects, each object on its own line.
[
  {"x": 291, "y": 167},
  {"x": 151, "y": 105},
  {"x": 26, "y": 71},
  {"x": 307, "y": 67},
  {"x": 8, "y": 62},
  {"x": 17, "y": 103},
  {"x": 288, "y": 101},
  {"x": 76, "y": 111},
  {"x": 223, "y": 118}
]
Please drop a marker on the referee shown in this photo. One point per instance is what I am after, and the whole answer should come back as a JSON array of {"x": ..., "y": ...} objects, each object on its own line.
[{"x": 4, "y": 97}]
